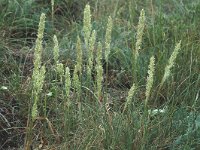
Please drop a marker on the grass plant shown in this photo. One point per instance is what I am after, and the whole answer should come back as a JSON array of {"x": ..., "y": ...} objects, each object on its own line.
[
  {"x": 38, "y": 81},
  {"x": 112, "y": 80}
]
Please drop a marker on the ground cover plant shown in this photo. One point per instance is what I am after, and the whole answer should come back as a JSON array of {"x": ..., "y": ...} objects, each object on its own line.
[{"x": 101, "y": 75}]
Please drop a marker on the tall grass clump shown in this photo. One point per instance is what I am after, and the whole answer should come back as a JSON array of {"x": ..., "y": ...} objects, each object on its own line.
[{"x": 37, "y": 81}]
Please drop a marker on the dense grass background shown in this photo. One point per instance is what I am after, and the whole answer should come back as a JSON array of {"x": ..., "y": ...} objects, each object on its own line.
[{"x": 167, "y": 23}]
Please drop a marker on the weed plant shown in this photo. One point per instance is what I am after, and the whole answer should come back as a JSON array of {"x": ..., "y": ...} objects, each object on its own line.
[{"x": 125, "y": 78}]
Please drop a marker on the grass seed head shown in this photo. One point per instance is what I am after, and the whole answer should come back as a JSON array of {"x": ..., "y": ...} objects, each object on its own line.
[
  {"x": 55, "y": 49},
  {"x": 140, "y": 32},
  {"x": 87, "y": 27},
  {"x": 150, "y": 78},
  {"x": 108, "y": 37},
  {"x": 171, "y": 63}
]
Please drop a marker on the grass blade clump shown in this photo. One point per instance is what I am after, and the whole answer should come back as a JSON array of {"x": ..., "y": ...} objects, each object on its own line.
[
  {"x": 170, "y": 64},
  {"x": 150, "y": 79}
]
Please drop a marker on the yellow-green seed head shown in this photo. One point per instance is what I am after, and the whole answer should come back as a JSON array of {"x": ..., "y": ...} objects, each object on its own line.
[
  {"x": 108, "y": 38},
  {"x": 52, "y": 6},
  {"x": 140, "y": 32},
  {"x": 60, "y": 69},
  {"x": 150, "y": 78},
  {"x": 55, "y": 49},
  {"x": 99, "y": 53},
  {"x": 38, "y": 46},
  {"x": 87, "y": 27},
  {"x": 171, "y": 62},
  {"x": 38, "y": 71},
  {"x": 38, "y": 79},
  {"x": 99, "y": 70},
  {"x": 130, "y": 96},
  {"x": 91, "y": 48},
  {"x": 76, "y": 81},
  {"x": 34, "y": 111},
  {"x": 79, "y": 55},
  {"x": 38, "y": 82}
]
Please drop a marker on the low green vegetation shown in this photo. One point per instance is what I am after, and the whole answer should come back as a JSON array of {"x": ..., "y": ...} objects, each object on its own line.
[{"x": 107, "y": 74}]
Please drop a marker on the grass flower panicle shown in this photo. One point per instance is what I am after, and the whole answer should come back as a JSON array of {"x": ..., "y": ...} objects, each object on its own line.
[
  {"x": 87, "y": 27},
  {"x": 37, "y": 88},
  {"x": 150, "y": 78},
  {"x": 170, "y": 63},
  {"x": 129, "y": 97},
  {"x": 38, "y": 46},
  {"x": 79, "y": 55},
  {"x": 90, "y": 54},
  {"x": 60, "y": 70},
  {"x": 140, "y": 32},
  {"x": 108, "y": 37},
  {"x": 99, "y": 70},
  {"x": 55, "y": 49},
  {"x": 38, "y": 71}
]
